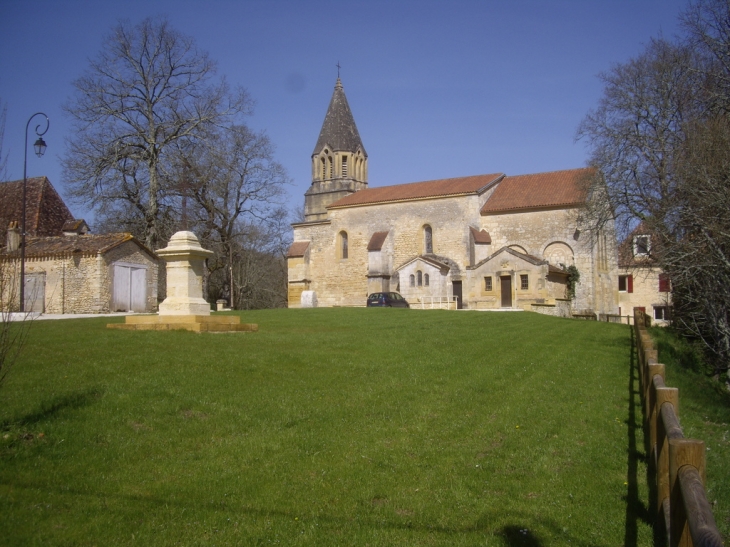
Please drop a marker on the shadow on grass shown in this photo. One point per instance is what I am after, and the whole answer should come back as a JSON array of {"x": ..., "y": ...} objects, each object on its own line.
[
  {"x": 49, "y": 409},
  {"x": 636, "y": 510},
  {"x": 513, "y": 535}
]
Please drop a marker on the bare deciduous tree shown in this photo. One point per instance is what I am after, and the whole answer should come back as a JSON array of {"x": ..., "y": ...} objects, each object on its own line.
[
  {"x": 697, "y": 254},
  {"x": 14, "y": 327},
  {"x": 149, "y": 89},
  {"x": 661, "y": 137},
  {"x": 635, "y": 130},
  {"x": 3, "y": 156},
  {"x": 234, "y": 190}
]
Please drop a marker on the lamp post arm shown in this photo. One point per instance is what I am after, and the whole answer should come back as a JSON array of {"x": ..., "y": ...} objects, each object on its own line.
[{"x": 25, "y": 193}]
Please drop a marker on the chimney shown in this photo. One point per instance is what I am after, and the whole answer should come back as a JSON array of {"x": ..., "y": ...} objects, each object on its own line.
[{"x": 13, "y": 236}]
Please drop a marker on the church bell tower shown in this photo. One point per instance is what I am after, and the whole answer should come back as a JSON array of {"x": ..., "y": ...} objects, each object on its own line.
[{"x": 339, "y": 160}]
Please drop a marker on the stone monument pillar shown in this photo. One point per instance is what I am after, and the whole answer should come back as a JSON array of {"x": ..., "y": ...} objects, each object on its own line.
[
  {"x": 184, "y": 308},
  {"x": 185, "y": 260}
]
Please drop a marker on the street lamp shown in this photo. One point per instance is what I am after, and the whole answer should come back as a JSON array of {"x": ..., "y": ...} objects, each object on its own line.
[{"x": 40, "y": 149}]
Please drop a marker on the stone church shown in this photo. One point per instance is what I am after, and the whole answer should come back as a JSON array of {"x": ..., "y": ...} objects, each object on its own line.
[{"x": 479, "y": 242}]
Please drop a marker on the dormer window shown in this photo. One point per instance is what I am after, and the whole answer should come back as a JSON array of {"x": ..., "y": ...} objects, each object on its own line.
[{"x": 642, "y": 245}]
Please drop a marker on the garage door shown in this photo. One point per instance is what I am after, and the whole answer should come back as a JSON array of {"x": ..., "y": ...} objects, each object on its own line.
[{"x": 130, "y": 288}]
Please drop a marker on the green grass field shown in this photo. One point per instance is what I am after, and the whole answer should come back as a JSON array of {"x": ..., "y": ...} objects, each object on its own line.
[{"x": 327, "y": 427}]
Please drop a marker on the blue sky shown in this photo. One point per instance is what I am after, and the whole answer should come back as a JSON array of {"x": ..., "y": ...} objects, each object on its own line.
[{"x": 438, "y": 89}]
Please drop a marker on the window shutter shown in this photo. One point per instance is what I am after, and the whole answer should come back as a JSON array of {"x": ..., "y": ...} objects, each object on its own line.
[
  {"x": 630, "y": 284},
  {"x": 664, "y": 283}
]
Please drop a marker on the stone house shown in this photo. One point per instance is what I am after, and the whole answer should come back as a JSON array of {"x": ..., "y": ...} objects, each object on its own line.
[
  {"x": 67, "y": 269},
  {"x": 479, "y": 242},
  {"x": 641, "y": 283}
]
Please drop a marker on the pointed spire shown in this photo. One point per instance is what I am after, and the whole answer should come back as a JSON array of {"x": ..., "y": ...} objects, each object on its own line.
[{"x": 339, "y": 131}]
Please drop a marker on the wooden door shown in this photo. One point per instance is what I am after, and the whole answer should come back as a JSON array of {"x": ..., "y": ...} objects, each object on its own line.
[
  {"x": 457, "y": 293},
  {"x": 506, "y": 288},
  {"x": 35, "y": 292},
  {"x": 129, "y": 292}
]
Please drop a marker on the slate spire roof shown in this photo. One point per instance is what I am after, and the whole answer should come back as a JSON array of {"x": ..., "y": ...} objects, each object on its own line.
[{"x": 339, "y": 130}]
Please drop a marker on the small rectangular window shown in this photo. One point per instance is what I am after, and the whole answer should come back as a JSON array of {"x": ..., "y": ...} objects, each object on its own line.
[
  {"x": 488, "y": 283},
  {"x": 523, "y": 282},
  {"x": 661, "y": 313},
  {"x": 626, "y": 283}
]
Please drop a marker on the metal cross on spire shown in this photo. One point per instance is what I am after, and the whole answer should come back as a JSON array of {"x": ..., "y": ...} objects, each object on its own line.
[{"x": 338, "y": 69}]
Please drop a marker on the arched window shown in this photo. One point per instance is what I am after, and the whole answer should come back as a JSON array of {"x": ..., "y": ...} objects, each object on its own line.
[
  {"x": 420, "y": 278},
  {"x": 344, "y": 166},
  {"x": 413, "y": 280},
  {"x": 425, "y": 280},
  {"x": 329, "y": 170},
  {"x": 427, "y": 239},
  {"x": 342, "y": 247},
  {"x": 323, "y": 167}
]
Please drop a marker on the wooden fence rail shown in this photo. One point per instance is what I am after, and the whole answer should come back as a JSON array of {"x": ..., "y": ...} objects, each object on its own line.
[{"x": 679, "y": 463}]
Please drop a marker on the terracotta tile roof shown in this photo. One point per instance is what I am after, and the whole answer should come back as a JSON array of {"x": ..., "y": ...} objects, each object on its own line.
[
  {"x": 418, "y": 190},
  {"x": 45, "y": 210},
  {"x": 83, "y": 244},
  {"x": 297, "y": 249},
  {"x": 76, "y": 225},
  {"x": 554, "y": 189},
  {"x": 481, "y": 237},
  {"x": 377, "y": 240}
]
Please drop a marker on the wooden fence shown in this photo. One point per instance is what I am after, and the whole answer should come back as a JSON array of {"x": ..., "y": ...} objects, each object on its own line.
[{"x": 679, "y": 463}]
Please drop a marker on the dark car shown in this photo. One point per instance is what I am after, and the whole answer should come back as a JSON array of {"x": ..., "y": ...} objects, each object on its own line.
[{"x": 387, "y": 300}]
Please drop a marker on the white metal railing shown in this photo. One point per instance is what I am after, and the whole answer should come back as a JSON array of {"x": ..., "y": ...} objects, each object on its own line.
[{"x": 439, "y": 302}]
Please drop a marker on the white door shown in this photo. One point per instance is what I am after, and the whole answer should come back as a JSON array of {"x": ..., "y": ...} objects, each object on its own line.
[
  {"x": 35, "y": 292},
  {"x": 129, "y": 292}
]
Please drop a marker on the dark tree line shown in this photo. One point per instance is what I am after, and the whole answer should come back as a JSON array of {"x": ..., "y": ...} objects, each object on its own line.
[
  {"x": 160, "y": 144},
  {"x": 661, "y": 137}
]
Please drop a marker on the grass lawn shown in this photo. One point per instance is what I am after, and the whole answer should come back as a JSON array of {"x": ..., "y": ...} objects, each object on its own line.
[{"x": 327, "y": 427}]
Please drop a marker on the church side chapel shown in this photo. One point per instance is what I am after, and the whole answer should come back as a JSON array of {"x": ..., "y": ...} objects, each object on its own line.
[{"x": 480, "y": 242}]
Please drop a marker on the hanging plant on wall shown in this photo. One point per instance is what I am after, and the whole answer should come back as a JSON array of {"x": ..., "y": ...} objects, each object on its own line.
[{"x": 573, "y": 279}]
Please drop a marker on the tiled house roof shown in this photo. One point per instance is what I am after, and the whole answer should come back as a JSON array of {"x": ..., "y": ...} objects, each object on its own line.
[
  {"x": 46, "y": 212},
  {"x": 297, "y": 249},
  {"x": 418, "y": 190},
  {"x": 377, "y": 240},
  {"x": 82, "y": 244},
  {"x": 481, "y": 237},
  {"x": 541, "y": 190}
]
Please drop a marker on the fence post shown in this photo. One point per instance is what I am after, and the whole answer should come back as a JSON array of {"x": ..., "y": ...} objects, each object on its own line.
[
  {"x": 652, "y": 414},
  {"x": 664, "y": 395},
  {"x": 682, "y": 452}
]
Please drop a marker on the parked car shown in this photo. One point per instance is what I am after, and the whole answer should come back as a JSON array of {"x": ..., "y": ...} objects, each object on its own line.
[{"x": 387, "y": 300}]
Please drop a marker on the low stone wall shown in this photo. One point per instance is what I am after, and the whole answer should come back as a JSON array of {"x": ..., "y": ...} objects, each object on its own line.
[{"x": 561, "y": 308}]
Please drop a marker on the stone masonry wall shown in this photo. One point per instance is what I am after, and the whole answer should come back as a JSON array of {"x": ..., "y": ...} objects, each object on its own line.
[
  {"x": 541, "y": 232},
  {"x": 78, "y": 283},
  {"x": 547, "y": 234},
  {"x": 343, "y": 282},
  {"x": 129, "y": 252},
  {"x": 646, "y": 293}
]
